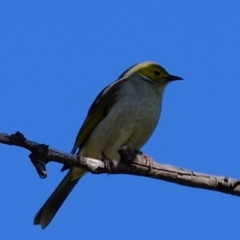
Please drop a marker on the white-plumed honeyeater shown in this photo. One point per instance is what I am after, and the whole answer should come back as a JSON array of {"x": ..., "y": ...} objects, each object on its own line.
[{"x": 124, "y": 113}]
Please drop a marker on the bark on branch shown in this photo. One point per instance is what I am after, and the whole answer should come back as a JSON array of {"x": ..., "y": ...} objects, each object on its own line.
[{"x": 134, "y": 163}]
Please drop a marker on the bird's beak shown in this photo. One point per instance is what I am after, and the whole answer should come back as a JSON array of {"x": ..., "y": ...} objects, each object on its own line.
[{"x": 173, "y": 78}]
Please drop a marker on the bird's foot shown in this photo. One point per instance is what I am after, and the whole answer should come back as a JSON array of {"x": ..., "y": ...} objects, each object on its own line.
[
  {"x": 149, "y": 161},
  {"x": 127, "y": 154},
  {"x": 130, "y": 155},
  {"x": 108, "y": 162}
]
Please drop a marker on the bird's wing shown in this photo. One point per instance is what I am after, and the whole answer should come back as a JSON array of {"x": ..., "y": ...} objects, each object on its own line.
[{"x": 98, "y": 111}]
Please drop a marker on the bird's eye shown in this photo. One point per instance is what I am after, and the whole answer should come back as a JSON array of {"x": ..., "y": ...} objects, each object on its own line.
[{"x": 157, "y": 73}]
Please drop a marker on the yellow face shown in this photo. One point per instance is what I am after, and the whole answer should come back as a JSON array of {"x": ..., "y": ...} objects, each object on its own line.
[{"x": 152, "y": 71}]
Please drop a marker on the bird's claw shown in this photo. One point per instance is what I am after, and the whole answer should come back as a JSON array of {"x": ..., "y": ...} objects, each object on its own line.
[
  {"x": 108, "y": 162},
  {"x": 149, "y": 161},
  {"x": 130, "y": 155}
]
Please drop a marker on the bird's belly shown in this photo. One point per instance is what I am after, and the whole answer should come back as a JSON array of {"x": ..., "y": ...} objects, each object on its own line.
[{"x": 128, "y": 123}]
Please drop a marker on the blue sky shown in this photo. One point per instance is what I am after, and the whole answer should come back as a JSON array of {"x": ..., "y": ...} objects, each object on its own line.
[{"x": 55, "y": 57}]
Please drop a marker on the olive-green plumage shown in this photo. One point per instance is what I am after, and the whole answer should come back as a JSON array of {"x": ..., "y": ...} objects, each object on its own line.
[{"x": 124, "y": 113}]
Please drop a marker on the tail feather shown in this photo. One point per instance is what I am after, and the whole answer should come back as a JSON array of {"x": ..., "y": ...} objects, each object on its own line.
[{"x": 46, "y": 213}]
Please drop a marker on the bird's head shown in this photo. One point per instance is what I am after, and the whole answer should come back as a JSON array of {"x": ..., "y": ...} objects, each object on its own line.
[{"x": 151, "y": 71}]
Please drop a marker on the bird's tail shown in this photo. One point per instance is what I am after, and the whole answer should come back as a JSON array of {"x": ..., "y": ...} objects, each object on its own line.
[{"x": 45, "y": 215}]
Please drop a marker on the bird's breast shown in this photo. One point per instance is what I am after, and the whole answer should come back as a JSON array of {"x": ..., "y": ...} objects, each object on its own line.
[{"x": 130, "y": 121}]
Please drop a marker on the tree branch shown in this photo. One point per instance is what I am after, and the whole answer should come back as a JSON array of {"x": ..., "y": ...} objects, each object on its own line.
[{"x": 132, "y": 162}]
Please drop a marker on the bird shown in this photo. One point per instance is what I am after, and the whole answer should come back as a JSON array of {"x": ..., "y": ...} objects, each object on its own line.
[{"x": 125, "y": 113}]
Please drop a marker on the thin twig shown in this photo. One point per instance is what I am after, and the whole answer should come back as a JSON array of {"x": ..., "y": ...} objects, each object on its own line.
[{"x": 134, "y": 163}]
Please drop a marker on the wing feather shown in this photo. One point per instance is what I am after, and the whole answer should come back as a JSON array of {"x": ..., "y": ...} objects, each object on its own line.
[{"x": 98, "y": 111}]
